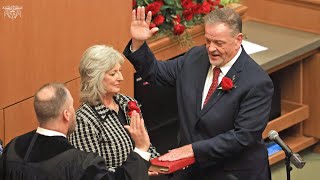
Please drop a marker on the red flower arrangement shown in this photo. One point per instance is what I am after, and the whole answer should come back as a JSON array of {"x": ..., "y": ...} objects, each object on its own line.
[
  {"x": 173, "y": 17},
  {"x": 133, "y": 106}
]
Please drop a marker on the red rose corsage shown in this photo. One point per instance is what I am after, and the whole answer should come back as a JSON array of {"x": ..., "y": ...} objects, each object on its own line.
[{"x": 133, "y": 106}]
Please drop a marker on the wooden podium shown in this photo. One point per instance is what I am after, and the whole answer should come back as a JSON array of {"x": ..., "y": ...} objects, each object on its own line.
[{"x": 293, "y": 57}]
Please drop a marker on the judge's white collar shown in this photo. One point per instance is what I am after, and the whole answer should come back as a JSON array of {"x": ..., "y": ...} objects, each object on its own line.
[{"x": 47, "y": 132}]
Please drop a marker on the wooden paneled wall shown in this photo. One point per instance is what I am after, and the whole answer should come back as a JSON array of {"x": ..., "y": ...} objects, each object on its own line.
[
  {"x": 45, "y": 44},
  {"x": 297, "y": 14}
]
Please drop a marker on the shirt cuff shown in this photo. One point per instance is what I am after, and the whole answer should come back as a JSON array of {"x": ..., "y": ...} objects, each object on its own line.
[{"x": 145, "y": 155}]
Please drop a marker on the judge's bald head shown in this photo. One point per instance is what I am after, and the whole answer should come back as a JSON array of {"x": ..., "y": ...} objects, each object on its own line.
[{"x": 49, "y": 101}]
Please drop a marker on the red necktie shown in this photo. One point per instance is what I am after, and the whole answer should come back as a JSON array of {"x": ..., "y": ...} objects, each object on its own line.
[{"x": 214, "y": 84}]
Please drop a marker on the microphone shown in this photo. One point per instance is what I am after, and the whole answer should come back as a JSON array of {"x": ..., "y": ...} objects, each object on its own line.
[{"x": 295, "y": 158}]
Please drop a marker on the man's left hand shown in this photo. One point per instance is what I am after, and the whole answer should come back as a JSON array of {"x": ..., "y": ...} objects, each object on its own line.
[{"x": 178, "y": 153}]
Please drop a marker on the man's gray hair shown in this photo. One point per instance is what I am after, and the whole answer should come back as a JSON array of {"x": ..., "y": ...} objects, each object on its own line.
[
  {"x": 95, "y": 62},
  {"x": 226, "y": 16},
  {"x": 49, "y": 101}
]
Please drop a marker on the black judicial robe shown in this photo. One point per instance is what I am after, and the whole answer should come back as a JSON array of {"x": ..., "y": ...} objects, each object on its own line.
[{"x": 36, "y": 157}]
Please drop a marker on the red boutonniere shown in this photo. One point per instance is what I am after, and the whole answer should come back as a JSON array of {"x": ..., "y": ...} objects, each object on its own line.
[
  {"x": 227, "y": 84},
  {"x": 133, "y": 106}
]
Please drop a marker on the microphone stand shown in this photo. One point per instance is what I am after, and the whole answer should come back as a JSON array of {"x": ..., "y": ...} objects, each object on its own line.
[{"x": 288, "y": 167}]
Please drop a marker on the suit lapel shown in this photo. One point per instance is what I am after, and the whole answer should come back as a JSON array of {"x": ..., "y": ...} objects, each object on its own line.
[{"x": 201, "y": 75}]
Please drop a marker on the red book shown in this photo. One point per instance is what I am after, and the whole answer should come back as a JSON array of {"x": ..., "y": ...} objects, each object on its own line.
[{"x": 167, "y": 167}]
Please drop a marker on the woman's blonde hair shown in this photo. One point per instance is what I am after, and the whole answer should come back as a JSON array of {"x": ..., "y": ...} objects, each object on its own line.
[{"x": 95, "y": 62}]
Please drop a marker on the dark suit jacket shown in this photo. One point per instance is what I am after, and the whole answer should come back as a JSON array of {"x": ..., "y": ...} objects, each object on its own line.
[
  {"x": 226, "y": 135},
  {"x": 54, "y": 158}
]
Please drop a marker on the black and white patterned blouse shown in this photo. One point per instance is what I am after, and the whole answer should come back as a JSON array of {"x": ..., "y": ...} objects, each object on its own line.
[{"x": 106, "y": 135}]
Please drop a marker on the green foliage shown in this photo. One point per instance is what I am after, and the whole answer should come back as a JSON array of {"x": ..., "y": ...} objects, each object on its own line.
[
  {"x": 169, "y": 2},
  {"x": 225, "y": 2}
]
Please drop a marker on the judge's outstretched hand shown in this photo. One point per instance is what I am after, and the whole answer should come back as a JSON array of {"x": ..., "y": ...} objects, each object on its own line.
[
  {"x": 139, "y": 29},
  {"x": 138, "y": 132}
]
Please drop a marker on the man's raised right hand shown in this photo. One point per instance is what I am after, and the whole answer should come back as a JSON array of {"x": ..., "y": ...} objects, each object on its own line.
[{"x": 139, "y": 29}]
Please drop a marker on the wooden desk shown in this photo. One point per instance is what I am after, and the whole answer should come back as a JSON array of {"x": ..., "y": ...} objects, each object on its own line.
[{"x": 293, "y": 57}]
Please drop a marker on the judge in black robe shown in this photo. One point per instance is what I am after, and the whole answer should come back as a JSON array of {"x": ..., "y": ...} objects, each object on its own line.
[
  {"x": 53, "y": 157},
  {"x": 46, "y": 154}
]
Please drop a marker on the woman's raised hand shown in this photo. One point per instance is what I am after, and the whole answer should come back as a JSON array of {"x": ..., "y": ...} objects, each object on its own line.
[{"x": 138, "y": 132}]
